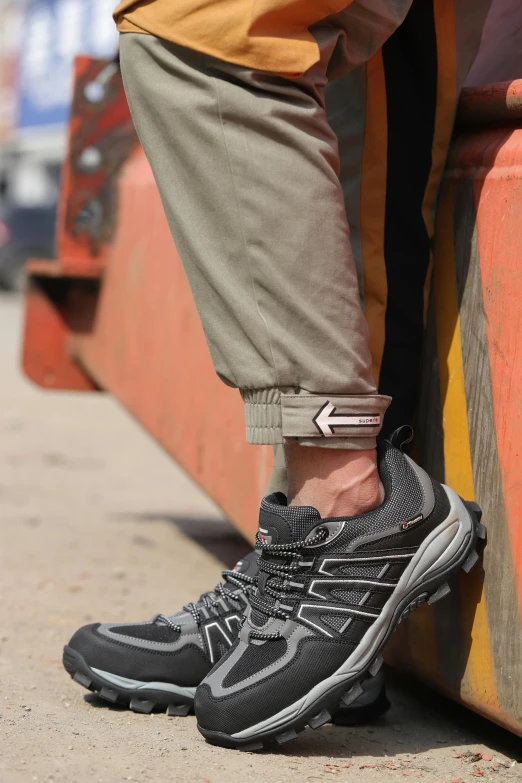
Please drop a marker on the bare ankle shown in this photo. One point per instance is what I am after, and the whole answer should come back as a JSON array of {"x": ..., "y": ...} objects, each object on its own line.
[{"x": 337, "y": 482}]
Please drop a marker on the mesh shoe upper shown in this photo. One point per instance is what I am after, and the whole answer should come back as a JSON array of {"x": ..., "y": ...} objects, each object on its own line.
[
  {"x": 322, "y": 585},
  {"x": 180, "y": 648}
]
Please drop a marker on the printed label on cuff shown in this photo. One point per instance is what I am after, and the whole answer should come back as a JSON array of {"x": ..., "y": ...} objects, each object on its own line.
[{"x": 328, "y": 421}]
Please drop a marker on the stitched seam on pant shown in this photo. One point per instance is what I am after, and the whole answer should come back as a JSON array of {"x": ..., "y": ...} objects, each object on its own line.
[
  {"x": 305, "y": 398},
  {"x": 265, "y": 404},
  {"x": 216, "y": 89},
  {"x": 254, "y": 427}
]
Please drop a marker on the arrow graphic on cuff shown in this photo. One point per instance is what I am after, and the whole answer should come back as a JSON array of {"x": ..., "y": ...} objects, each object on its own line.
[{"x": 327, "y": 420}]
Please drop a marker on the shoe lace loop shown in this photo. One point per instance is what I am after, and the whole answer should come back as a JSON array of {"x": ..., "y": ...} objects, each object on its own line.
[
  {"x": 278, "y": 573},
  {"x": 210, "y": 600}
]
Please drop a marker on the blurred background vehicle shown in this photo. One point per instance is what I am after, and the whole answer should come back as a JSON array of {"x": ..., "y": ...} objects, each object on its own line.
[
  {"x": 39, "y": 40},
  {"x": 27, "y": 216},
  {"x": 25, "y": 232}
]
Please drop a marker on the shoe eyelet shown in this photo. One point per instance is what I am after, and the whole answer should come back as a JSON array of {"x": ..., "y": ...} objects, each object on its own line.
[{"x": 332, "y": 528}]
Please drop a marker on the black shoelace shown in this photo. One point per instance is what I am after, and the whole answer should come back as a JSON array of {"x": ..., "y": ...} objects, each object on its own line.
[
  {"x": 244, "y": 584},
  {"x": 277, "y": 584}
]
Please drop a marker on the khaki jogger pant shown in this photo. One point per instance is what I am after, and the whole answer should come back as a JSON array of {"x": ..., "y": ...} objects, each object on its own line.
[{"x": 259, "y": 185}]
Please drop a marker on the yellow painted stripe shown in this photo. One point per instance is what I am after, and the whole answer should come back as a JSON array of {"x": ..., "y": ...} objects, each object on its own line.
[
  {"x": 373, "y": 206},
  {"x": 479, "y": 678}
]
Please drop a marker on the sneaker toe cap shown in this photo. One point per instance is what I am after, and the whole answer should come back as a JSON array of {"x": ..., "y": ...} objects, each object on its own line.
[
  {"x": 228, "y": 708},
  {"x": 146, "y": 661}
]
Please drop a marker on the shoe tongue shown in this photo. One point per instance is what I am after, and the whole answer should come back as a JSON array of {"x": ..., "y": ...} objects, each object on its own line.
[{"x": 280, "y": 523}]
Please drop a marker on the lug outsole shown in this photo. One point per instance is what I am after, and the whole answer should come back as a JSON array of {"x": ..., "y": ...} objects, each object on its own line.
[
  {"x": 109, "y": 695},
  {"x": 286, "y": 736},
  {"x": 439, "y": 594},
  {"x": 252, "y": 748},
  {"x": 366, "y": 714},
  {"x": 74, "y": 664},
  {"x": 140, "y": 705},
  {"x": 376, "y": 666},
  {"x": 352, "y": 694},
  {"x": 182, "y": 710},
  {"x": 320, "y": 719},
  {"x": 81, "y": 673},
  {"x": 81, "y": 679},
  {"x": 331, "y": 704},
  {"x": 471, "y": 561}
]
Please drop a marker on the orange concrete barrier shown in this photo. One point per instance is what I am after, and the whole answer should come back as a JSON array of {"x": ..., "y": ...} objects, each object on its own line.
[
  {"x": 114, "y": 312},
  {"x": 470, "y": 422}
]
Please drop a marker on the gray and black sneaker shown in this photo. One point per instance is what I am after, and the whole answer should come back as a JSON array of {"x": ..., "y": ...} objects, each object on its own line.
[
  {"x": 156, "y": 665},
  {"x": 330, "y": 593},
  {"x": 159, "y": 663}
]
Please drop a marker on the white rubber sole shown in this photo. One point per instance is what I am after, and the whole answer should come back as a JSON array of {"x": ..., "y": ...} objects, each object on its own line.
[{"x": 138, "y": 685}]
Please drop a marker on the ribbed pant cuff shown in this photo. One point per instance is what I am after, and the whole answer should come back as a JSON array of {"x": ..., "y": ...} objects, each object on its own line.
[
  {"x": 263, "y": 416},
  {"x": 349, "y": 421}
]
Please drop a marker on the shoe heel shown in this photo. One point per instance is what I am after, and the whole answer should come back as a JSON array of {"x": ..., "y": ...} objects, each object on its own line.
[
  {"x": 480, "y": 531},
  {"x": 474, "y": 508},
  {"x": 476, "y": 514}
]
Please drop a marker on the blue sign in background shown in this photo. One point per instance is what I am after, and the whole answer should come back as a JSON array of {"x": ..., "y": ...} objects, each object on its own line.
[{"x": 54, "y": 32}]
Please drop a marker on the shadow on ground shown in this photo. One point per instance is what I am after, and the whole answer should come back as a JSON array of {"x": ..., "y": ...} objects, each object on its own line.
[{"x": 217, "y": 536}]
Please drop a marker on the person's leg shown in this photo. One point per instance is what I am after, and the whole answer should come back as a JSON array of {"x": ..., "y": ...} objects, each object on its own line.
[
  {"x": 247, "y": 166},
  {"x": 278, "y": 481},
  {"x": 335, "y": 481},
  {"x": 331, "y": 590}
]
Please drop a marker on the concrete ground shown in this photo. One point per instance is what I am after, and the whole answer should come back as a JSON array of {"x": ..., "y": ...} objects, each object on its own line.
[{"x": 98, "y": 524}]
